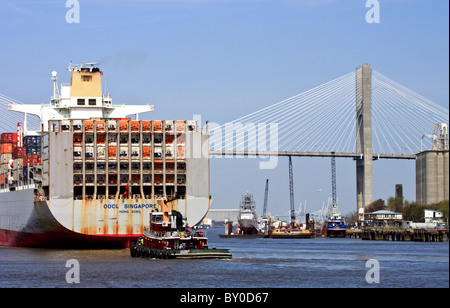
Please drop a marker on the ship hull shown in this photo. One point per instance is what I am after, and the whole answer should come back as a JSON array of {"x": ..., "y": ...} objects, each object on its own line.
[
  {"x": 26, "y": 221},
  {"x": 248, "y": 226}
]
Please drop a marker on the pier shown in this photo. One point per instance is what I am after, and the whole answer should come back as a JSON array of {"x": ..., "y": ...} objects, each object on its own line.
[{"x": 407, "y": 235}]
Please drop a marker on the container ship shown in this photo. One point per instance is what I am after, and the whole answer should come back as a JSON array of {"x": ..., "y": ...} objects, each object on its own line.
[{"x": 91, "y": 176}]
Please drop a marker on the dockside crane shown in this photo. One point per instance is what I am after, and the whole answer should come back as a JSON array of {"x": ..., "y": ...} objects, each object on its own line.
[
  {"x": 291, "y": 191},
  {"x": 266, "y": 194}
]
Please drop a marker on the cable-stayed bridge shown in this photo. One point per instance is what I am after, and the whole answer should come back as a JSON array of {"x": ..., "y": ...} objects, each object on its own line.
[{"x": 362, "y": 115}]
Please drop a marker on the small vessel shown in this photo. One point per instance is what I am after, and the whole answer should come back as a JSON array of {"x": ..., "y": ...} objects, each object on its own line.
[
  {"x": 247, "y": 220},
  {"x": 285, "y": 230},
  {"x": 168, "y": 238},
  {"x": 336, "y": 226}
]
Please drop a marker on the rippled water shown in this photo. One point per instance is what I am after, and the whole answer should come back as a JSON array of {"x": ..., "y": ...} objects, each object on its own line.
[{"x": 266, "y": 263}]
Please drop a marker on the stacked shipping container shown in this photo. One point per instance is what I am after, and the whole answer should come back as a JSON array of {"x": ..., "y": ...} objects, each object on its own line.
[
  {"x": 16, "y": 159},
  {"x": 149, "y": 156}
]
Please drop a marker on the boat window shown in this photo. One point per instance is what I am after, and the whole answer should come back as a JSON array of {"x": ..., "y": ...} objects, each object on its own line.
[
  {"x": 81, "y": 102},
  {"x": 86, "y": 78},
  {"x": 156, "y": 218}
]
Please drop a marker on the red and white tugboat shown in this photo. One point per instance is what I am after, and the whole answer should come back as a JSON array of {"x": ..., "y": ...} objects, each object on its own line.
[{"x": 167, "y": 238}]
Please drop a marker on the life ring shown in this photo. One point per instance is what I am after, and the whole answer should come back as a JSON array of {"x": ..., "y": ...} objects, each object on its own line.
[{"x": 201, "y": 233}]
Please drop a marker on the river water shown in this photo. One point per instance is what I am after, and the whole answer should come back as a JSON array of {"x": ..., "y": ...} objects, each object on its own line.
[{"x": 256, "y": 263}]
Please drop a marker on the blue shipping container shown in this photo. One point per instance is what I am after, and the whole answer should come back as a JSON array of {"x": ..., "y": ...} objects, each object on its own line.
[{"x": 32, "y": 141}]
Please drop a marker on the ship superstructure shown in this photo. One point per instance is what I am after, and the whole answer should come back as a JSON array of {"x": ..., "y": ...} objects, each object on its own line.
[{"x": 97, "y": 173}]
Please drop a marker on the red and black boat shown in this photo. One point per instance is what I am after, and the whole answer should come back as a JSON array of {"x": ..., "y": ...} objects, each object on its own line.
[{"x": 168, "y": 238}]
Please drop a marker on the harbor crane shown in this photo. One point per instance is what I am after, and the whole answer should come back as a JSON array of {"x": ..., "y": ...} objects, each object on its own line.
[
  {"x": 266, "y": 194},
  {"x": 291, "y": 192}
]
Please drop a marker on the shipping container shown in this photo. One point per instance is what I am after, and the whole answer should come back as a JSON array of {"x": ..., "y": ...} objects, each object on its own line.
[
  {"x": 136, "y": 178},
  {"x": 77, "y": 139},
  {"x": 157, "y": 126},
  {"x": 101, "y": 152},
  {"x": 168, "y": 126},
  {"x": 123, "y": 152},
  {"x": 112, "y": 126},
  {"x": 9, "y": 138},
  {"x": 33, "y": 141},
  {"x": 101, "y": 139},
  {"x": 158, "y": 153},
  {"x": 123, "y": 125},
  {"x": 146, "y": 138},
  {"x": 5, "y": 158},
  {"x": 146, "y": 126},
  {"x": 146, "y": 152},
  {"x": 180, "y": 126},
  {"x": 135, "y": 153},
  {"x": 112, "y": 152},
  {"x": 181, "y": 152},
  {"x": 31, "y": 160},
  {"x": 6, "y": 148},
  {"x": 65, "y": 125},
  {"x": 89, "y": 125},
  {"x": 100, "y": 126},
  {"x": 112, "y": 139},
  {"x": 77, "y": 125},
  {"x": 169, "y": 152},
  {"x": 19, "y": 152},
  {"x": 33, "y": 150},
  {"x": 89, "y": 153},
  {"x": 135, "y": 126},
  {"x": 77, "y": 153},
  {"x": 169, "y": 139}
]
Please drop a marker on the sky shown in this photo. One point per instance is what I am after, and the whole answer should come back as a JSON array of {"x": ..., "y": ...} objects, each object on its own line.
[{"x": 223, "y": 59}]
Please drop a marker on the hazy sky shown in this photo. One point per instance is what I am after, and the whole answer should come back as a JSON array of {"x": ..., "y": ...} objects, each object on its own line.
[{"x": 223, "y": 59}]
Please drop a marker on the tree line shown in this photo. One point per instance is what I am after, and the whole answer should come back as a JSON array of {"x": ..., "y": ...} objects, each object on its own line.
[{"x": 411, "y": 211}]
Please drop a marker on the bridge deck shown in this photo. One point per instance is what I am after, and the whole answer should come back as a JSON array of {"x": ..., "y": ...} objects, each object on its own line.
[{"x": 310, "y": 154}]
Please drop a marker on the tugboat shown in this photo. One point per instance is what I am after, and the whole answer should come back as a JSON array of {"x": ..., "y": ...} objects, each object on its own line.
[{"x": 167, "y": 238}]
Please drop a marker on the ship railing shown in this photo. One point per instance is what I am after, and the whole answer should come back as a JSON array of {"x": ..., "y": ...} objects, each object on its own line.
[{"x": 26, "y": 186}]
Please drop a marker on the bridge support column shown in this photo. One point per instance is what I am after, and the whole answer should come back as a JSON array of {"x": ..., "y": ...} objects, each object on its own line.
[{"x": 364, "y": 181}]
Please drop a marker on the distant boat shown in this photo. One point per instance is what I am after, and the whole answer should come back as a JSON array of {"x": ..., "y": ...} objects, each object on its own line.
[
  {"x": 247, "y": 220},
  {"x": 336, "y": 226}
]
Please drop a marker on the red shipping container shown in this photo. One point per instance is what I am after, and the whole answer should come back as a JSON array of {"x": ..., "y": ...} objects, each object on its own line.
[
  {"x": 19, "y": 152},
  {"x": 9, "y": 138},
  {"x": 6, "y": 148},
  {"x": 135, "y": 126},
  {"x": 123, "y": 125},
  {"x": 32, "y": 160},
  {"x": 146, "y": 126}
]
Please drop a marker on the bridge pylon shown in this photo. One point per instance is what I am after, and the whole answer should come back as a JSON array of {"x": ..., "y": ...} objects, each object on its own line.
[{"x": 364, "y": 173}]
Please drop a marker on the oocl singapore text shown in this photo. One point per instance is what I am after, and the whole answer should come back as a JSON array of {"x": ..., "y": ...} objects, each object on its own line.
[{"x": 136, "y": 207}]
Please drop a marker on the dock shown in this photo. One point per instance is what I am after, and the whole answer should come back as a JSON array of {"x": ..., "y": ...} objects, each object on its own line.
[{"x": 413, "y": 235}]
